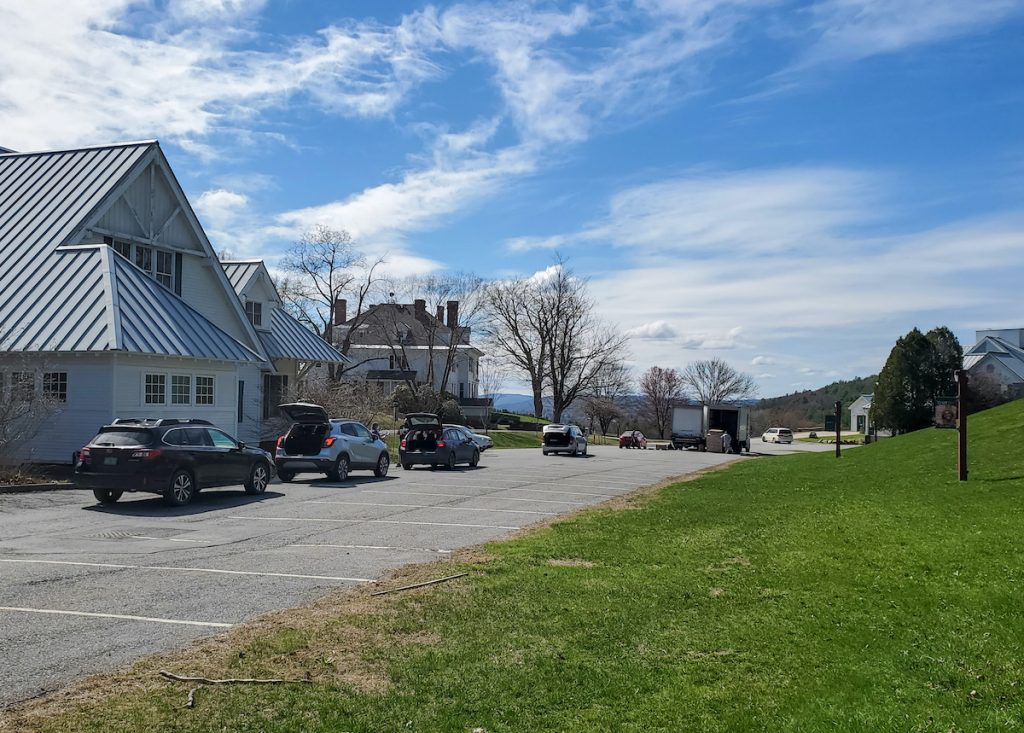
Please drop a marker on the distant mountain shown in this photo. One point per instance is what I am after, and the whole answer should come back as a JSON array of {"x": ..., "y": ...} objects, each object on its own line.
[{"x": 807, "y": 409}]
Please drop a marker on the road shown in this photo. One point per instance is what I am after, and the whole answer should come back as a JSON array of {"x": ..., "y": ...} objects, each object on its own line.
[{"x": 88, "y": 588}]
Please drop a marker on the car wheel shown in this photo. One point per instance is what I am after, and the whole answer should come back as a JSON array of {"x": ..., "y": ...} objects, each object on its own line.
[
  {"x": 383, "y": 464},
  {"x": 406, "y": 466},
  {"x": 475, "y": 460},
  {"x": 450, "y": 464},
  {"x": 340, "y": 470},
  {"x": 286, "y": 476},
  {"x": 259, "y": 477},
  {"x": 106, "y": 496},
  {"x": 181, "y": 490}
]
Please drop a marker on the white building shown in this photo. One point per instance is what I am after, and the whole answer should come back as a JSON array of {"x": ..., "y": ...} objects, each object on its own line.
[
  {"x": 112, "y": 301},
  {"x": 860, "y": 414},
  {"x": 998, "y": 356}
]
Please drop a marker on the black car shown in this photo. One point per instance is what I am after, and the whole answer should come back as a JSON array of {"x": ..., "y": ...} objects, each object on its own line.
[
  {"x": 426, "y": 442},
  {"x": 174, "y": 458}
]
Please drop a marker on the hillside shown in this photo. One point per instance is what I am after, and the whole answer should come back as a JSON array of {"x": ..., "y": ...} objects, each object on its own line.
[{"x": 807, "y": 409}]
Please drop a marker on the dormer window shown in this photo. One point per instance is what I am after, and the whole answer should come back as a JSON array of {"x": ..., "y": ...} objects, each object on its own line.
[
  {"x": 254, "y": 312},
  {"x": 161, "y": 265}
]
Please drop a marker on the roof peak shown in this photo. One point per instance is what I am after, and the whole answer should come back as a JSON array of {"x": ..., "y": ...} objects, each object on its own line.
[{"x": 106, "y": 146}]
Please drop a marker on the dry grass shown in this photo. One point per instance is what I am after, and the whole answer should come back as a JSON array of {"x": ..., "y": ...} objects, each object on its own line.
[{"x": 570, "y": 562}]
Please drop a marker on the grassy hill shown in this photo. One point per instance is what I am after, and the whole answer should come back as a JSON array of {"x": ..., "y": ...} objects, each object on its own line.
[
  {"x": 807, "y": 409},
  {"x": 868, "y": 593}
]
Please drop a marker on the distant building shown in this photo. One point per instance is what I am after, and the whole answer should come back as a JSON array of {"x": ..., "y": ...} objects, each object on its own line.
[
  {"x": 998, "y": 356},
  {"x": 860, "y": 414}
]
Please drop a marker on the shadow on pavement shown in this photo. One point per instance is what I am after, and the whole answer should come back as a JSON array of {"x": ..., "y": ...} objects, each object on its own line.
[{"x": 208, "y": 500}]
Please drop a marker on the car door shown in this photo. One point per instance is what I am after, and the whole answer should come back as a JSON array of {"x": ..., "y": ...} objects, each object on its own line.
[
  {"x": 466, "y": 444},
  {"x": 229, "y": 464},
  {"x": 363, "y": 445}
]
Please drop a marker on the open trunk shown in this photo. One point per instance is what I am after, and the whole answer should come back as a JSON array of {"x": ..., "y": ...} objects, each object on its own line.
[
  {"x": 305, "y": 440},
  {"x": 556, "y": 438},
  {"x": 422, "y": 440}
]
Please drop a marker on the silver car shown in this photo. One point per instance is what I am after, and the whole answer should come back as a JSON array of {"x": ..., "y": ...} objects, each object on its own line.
[
  {"x": 483, "y": 442},
  {"x": 564, "y": 439},
  {"x": 318, "y": 444}
]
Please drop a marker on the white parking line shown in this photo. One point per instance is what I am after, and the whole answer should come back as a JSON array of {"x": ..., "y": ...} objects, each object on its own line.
[
  {"x": 187, "y": 570},
  {"x": 168, "y": 539},
  {"x": 380, "y": 547},
  {"x": 475, "y": 496},
  {"x": 373, "y": 521},
  {"x": 514, "y": 488},
  {"x": 120, "y": 616},
  {"x": 431, "y": 506}
]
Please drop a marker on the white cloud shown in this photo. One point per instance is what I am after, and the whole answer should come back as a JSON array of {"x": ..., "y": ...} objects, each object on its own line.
[
  {"x": 219, "y": 207},
  {"x": 762, "y": 361},
  {"x": 653, "y": 330}
]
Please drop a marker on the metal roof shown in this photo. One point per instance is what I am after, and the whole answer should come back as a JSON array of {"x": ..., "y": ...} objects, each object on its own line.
[
  {"x": 289, "y": 339},
  {"x": 240, "y": 272},
  {"x": 85, "y": 298}
]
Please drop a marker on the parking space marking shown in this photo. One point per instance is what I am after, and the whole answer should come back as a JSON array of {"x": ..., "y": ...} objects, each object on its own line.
[
  {"x": 380, "y": 547},
  {"x": 373, "y": 521},
  {"x": 431, "y": 506},
  {"x": 476, "y": 496},
  {"x": 119, "y": 616},
  {"x": 168, "y": 539},
  {"x": 188, "y": 570},
  {"x": 514, "y": 488}
]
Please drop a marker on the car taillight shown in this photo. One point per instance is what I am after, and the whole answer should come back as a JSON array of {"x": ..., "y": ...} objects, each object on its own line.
[
  {"x": 440, "y": 444},
  {"x": 280, "y": 441},
  {"x": 146, "y": 454},
  {"x": 403, "y": 443},
  {"x": 83, "y": 455},
  {"x": 328, "y": 442}
]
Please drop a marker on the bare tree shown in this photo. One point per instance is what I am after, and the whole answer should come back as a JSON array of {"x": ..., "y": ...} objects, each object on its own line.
[
  {"x": 323, "y": 267},
  {"x": 603, "y": 402},
  {"x": 514, "y": 332},
  {"x": 714, "y": 382},
  {"x": 492, "y": 374},
  {"x": 28, "y": 399},
  {"x": 662, "y": 389}
]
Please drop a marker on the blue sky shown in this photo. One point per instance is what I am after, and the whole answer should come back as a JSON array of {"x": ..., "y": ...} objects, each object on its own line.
[{"x": 787, "y": 185}]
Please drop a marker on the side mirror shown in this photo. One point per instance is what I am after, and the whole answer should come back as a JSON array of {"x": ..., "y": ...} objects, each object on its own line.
[{"x": 240, "y": 445}]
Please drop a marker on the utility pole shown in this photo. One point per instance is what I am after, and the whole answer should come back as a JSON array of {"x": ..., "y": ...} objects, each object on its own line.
[
  {"x": 839, "y": 427},
  {"x": 961, "y": 424}
]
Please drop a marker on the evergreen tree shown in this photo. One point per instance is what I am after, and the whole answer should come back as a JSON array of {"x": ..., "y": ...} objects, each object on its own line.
[
  {"x": 948, "y": 356},
  {"x": 906, "y": 385}
]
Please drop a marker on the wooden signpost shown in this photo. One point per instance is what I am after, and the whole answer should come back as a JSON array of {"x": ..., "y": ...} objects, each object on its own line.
[
  {"x": 839, "y": 427},
  {"x": 961, "y": 424}
]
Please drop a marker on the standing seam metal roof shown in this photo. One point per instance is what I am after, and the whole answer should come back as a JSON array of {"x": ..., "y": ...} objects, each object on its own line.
[{"x": 289, "y": 339}]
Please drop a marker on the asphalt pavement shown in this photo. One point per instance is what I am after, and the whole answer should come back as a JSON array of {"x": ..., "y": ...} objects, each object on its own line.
[{"x": 89, "y": 588}]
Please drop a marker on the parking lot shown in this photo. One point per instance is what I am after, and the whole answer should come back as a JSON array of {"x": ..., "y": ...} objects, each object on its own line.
[{"x": 88, "y": 588}]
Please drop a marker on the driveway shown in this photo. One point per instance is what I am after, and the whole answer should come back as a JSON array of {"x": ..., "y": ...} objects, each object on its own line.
[{"x": 88, "y": 588}]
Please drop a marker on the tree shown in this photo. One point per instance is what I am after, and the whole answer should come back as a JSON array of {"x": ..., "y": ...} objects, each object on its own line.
[
  {"x": 513, "y": 330},
  {"x": 603, "y": 401},
  {"x": 904, "y": 396},
  {"x": 323, "y": 267},
  {"x": 662, "y": 389},
  {"x": 492, "y": 374},
  {"x": 947, "y": 357},
  {"x": 714, "y": 382},
  {"x": 26, "y": 406}
]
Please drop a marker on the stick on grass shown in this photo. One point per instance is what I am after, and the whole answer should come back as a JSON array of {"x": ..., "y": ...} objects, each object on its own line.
[{"x": 435, "y": 581}]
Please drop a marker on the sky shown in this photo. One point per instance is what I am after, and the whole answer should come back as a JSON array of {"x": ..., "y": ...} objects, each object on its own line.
[{"x": 789, "y": 186}]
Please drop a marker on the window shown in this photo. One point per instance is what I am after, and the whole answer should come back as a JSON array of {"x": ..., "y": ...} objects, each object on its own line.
[
  {"x": 240, "y": 408},
  {"x": 204, "y": 390},
  {"x": 221, "y": 440},
  {"x": 165, "y": 269},
  {"x": 55, "y": 386},
  {"x": 198, "y": 437},
  {"x": 348, "y": 429},
  {"x": 360, "y": 431},
  {"x": 120, "y": 246},
  {"x": 254, "y": 312},
  {"x": 181, "y": 389},
  {"x": 391, "y": 362},
  {"x": 176, "y": 437},
  {"x": 23, "y": 384},
  {"x": 144, "y": 258},
  {"x": 155, "y": 392}
]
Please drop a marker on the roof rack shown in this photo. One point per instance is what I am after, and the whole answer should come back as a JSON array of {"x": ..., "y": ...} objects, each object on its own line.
[{"x": 159, "y": 422}]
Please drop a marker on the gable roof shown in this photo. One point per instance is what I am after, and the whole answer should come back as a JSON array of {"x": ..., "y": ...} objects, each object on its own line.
[
  {"x": 382, "y": 323},
  {"x": 241, "y": 272},
  {"x": 87, "y": 298},
  {"x": 992, "y": 347}
]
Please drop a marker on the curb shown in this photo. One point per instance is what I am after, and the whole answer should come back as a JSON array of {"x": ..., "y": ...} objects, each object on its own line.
[{"x": 30, "y": 488}]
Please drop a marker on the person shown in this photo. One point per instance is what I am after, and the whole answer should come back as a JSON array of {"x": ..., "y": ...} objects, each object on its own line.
[
  {"x": 726, "y": 443},
  {"x": 375, "y": 431},
  {"x": 636, "y": 438}
]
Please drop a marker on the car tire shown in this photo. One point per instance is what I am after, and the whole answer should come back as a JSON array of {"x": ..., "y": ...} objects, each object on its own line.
[
  {"x": 340, "y": 470},
  {"x": 383, "y": 464},
  {"x": 406, "y": 466},
  {"x": 475, "y": 460},
  {"x": 181, "y": 490},
  {"x": 106, "y": 496},
  {"x": 586, "y": 446},
  {"x": 259, "y": 477},
  {"x": 450, "y": 463},
  {"x": 286, "y": 476}
]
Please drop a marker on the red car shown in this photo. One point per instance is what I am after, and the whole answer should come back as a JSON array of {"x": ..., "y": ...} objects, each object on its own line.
[{"x": 633, "y": 439}]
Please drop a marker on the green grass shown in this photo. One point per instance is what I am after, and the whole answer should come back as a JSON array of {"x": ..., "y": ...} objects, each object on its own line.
[
  {"x": 800, "y": 593},
  {"x": 501, "y": 415},
  {"x": 515, "y": 439}
]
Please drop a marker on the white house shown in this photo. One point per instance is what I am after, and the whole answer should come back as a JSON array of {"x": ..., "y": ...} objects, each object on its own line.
[
  {"x": 860, "y": 414},
  {"x": 998, "y": 356},
  {"x": 112, "y": 301},
  {"x": 398, "y": 343}
]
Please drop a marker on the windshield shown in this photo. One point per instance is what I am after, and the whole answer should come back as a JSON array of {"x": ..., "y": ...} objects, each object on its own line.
[{"x": 122, "y": 438}]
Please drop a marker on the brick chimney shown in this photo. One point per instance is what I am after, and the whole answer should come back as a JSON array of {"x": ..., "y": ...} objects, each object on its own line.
[
  {"x": 440, "y": 314},
  {"x": 340, "y": 311},
  {"x": 453, "y": 314},
  {"x": 419, "y": 306}
]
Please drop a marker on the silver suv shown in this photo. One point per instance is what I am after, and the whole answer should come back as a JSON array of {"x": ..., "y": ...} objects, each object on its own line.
[{"x": 318, "y": 444}]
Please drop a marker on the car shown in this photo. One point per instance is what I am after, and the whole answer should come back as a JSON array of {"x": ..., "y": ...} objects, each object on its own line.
[
  {"x": 483, "y": 442},
  {"x": 426, "y": 442},
  {"x": 171, "y": 457},
  {"x": 633, "y": 439},
  {"x": 333, "y": 446},
  {"x": 777, "y": 435},
  {"x": 560, "y": 438}
]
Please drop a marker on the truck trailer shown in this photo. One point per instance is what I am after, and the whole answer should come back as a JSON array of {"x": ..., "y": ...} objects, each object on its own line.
[{"x": 692, "y": 423}]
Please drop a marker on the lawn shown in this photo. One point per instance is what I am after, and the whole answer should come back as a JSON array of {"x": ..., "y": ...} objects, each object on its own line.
[
  {"x": 515, "y": 439},
  {"x": 800, "y": 593}
]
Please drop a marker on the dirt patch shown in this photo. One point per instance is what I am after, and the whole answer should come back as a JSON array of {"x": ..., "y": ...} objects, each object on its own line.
[
  {"x": 570, "y": 562},
  {"x": 730, "y": 563},
  {"x": 716, "y": 592}
]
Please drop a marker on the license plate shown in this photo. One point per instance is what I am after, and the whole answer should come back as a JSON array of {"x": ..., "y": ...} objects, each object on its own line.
[{"x": 110, "y": 461}]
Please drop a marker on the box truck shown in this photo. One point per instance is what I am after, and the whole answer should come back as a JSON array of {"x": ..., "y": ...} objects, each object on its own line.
[{"x": 692, "y": 423}]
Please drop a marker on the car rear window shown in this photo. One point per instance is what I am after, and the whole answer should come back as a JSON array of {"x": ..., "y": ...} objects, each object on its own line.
[
  {"x": 783, "y": 431},
  {"x": 122, "y": 438}
]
